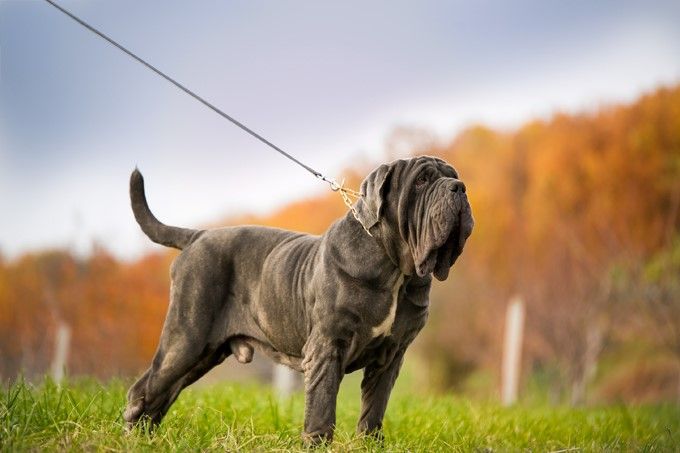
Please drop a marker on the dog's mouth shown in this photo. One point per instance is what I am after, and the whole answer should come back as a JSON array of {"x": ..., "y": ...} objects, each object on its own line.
[
  {"x": 442, "y": 253},
  {"x": 441, "y": 256}
]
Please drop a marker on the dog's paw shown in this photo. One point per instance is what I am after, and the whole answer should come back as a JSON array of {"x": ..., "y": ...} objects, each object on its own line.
[
  {"x": 315, "y": 440},
  {"x": 375, "y": 433},
  {"x": 133, "y": 412}
]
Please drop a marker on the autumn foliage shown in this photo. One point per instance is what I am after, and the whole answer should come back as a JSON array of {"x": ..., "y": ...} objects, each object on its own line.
[{"x": 577, "y": 214}]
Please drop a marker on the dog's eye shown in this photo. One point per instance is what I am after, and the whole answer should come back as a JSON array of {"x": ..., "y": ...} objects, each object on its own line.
[{"x": 421, "y": 181}]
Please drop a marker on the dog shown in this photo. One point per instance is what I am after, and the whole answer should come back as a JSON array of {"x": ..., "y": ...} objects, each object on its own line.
[{"x": 353, "y": 298}]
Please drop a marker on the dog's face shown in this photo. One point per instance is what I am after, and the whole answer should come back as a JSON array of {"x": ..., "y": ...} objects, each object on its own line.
[{"x": 425, "y": 210}]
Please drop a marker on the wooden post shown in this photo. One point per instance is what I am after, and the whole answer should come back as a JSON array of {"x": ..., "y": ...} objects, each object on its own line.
[
  {"x": 61, "y": 347},
  {"x": 512, "y": 350},
  {"x": 284, "y": 381}
]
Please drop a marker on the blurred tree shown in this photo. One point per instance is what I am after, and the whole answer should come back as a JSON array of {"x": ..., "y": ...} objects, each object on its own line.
[{"x": 659, "y": 293}]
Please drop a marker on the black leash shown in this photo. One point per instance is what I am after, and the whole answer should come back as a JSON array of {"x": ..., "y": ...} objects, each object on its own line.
[{"x": 335, "y": 186}]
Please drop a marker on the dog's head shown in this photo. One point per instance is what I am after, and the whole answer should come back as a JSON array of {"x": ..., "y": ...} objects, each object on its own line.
[{"x": 422, "y": 209}]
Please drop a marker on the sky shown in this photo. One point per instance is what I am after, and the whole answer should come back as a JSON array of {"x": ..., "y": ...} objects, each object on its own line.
[{"x": 327, "y": 82}]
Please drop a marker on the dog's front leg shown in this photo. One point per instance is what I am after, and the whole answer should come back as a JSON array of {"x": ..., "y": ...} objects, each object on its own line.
[
  {"x": 322, "y": 366},
  {"x": 376, "y": 387}
]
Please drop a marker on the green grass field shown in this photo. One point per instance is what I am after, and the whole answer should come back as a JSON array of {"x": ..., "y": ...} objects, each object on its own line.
[{"x": 86, "y": 415}]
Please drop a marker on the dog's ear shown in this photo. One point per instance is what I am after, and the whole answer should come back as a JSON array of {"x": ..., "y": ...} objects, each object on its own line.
[{"x": 373, "y": 190}]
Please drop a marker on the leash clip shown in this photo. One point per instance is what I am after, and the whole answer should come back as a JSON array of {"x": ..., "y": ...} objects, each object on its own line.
[
  {"x": 335, "y": 186},
  {"x": 331, "y": 182}
]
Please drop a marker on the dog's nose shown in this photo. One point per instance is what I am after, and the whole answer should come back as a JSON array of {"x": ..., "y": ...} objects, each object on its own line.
[{"x": 458, "y": 186}]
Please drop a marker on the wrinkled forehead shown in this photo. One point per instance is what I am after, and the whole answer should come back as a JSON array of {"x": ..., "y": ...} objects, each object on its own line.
[{"x": 425, "y": 164}]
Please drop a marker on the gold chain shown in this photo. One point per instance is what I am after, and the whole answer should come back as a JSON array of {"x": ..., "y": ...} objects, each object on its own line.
[{"x": 346, "y": 193}]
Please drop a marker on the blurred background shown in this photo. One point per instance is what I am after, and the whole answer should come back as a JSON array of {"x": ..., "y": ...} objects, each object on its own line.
[{"x": 563, "y": 119}]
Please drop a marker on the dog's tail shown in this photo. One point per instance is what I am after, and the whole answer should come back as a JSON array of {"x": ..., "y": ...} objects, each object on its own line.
[{"x": 158, "y": 232}]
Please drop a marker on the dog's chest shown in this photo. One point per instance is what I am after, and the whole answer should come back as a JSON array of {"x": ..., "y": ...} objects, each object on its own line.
[{"x": 385, "y": 327}]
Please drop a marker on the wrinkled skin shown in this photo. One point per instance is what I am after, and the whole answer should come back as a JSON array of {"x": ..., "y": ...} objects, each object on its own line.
[{"x": 323, "y": 305}]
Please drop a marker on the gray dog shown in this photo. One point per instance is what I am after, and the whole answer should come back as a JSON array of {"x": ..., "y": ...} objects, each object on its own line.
[{"x": 322, "y": 305}]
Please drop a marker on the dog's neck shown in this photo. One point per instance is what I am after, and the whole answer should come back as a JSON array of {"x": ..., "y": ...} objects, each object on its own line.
[
  {"x": 380, "y": 244},
  {"x": 394, "y": 248}
]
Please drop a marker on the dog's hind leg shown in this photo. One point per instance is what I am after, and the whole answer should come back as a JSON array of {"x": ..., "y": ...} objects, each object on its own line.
[
  {"x": 135, "y": 398},
  {"x": 197, "y": 372},
  {"x": 186, "y": 351},
  {"x": 151, "y": 396}
]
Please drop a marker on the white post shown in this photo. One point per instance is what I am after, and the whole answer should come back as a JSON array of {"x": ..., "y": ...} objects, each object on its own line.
[
  {"x": 284, "y": 381},
  {"x": 62, "y": 341},
  {"x": 512, "y": 350}
]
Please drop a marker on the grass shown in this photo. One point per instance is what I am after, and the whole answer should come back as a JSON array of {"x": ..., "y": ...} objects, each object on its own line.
[{"x": 86, "y": 415}]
